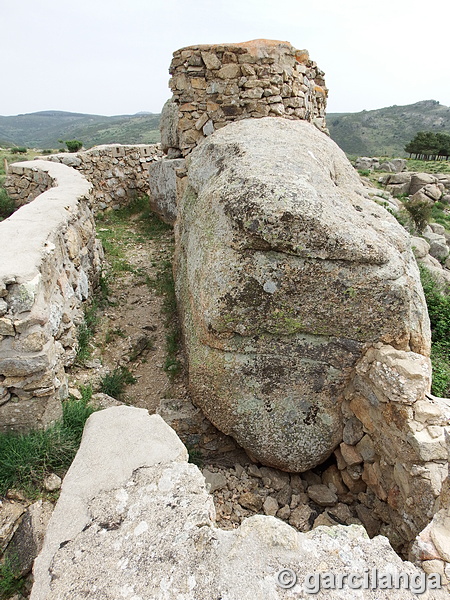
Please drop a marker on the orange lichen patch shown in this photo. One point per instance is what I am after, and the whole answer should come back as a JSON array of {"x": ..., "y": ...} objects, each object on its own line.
[
  {"x": 302, "y": 56},
  {"x": 320, "y": 90},
  {"x": 253, "y": 47}
]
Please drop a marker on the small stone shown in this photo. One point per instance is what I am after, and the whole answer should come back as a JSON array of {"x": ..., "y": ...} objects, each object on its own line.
[
  {"x": 324, "y": 520},
  {"x": 341, "y": 513},
  {"x": 284, "y": 513},
  {"x": 239, "y": 469},
  {"x": 322, "y": 495},
  {"x": 297, "y": 483},
  {"x": 370, "y": 522},
  {"x": 6, "y": 327},
  {"x": 251, "y": 501},
  {"x": 350, "y": 455},
  {"x": 254, "y": 471},
  {"x": 332, "y": 476},
  {"x": 353, "y": 431},
  {"x": 300, "y": 517},
  {"x": 366, "y": 449},
  {"x": 311, "y": 478},
  {"x": 270, "y": 506},
  {"x": 215, "y": 481},
  {"x": 341, "y": 464},
  {"x": 284, "y": 496},
  {"x": 52, "y": 482},
  {"x": 278, "y": 479},
  {"x": 354, "y": 485}
]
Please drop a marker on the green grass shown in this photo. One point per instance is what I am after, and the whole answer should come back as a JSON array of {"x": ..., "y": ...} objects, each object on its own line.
[
  {"x": 164, "y": 285},
  {"x": 11, "y": 581},
  {"x": 114, "y": 383},
  {"x": 438, "y": 302},
  {"x": 86, "y": 331},
  {"x": 27, "y": 458},
  {"x": 428, "y": 166}
]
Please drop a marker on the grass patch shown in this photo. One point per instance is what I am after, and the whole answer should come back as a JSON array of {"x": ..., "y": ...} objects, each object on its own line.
[
  {"x": 86, "y": 331},
  {"x": 114, "y": 383},
  {"x": 27, "y": 458},
  {"x": 11, "y": 581},
  {"x": 164, "y": 286},
  {"x": 428, "y": 166},
  {"x": 438, "y": 303}
]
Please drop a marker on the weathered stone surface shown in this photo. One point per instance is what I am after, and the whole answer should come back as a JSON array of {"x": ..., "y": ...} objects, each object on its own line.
[
  {"x": 116, "y": 442},
  {"x": 282, "y": 273},
  {"x": 29, "y": 537},
  {"x": 163, "y": 188},
  {"x": 169, "y": 126},
  {"x": 148, "y": 531}
]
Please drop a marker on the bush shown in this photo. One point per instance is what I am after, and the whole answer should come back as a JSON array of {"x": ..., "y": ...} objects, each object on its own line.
[
  {"x": 73, "y": 145},
  {"x": 6, "y": 205},
  {"x": 19, "y": 150},
  {"x": 420, "y": 212}
]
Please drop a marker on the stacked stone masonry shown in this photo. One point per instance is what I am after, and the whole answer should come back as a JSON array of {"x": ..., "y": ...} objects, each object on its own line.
[
  {"x": 118, "y": 174},
  {"x": 51, "y": 260},
  {"x": 213, "y": 85}
]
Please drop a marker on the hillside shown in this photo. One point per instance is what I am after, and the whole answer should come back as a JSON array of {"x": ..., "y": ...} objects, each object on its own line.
[
  {"x": 44, "y": 129},
  {"x": 386, "y": 131},
  {"x": 368, "y": 133}
]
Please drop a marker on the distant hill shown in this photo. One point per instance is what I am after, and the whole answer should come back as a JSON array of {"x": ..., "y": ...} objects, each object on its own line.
[
  {"x": 44, "y": 129},
  {"x": 384, "y": 132},
  {"x": 368, "y": 133}
]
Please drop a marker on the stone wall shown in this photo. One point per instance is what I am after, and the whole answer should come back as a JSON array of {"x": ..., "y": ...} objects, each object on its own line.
[
  {"x": 213, "y": 85},
  {"x": 394, "y": 441},
  {"x": 50, "y": 262},
  {"x": 117, "y": 172}
]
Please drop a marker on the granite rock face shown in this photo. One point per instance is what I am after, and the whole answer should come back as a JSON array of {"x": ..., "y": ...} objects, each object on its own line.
[
  {"x": 140, "y": 524},
  {"x": 285, "y": 271}
]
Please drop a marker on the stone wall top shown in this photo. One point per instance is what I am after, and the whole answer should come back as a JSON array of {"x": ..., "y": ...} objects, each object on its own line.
[{"x": 28, "y": 229}]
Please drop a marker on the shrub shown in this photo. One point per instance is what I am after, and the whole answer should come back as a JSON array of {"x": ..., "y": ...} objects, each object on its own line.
[
  {"x": 6, "y": 205},
  {"x": 19, "y": 150},
  {"x": 420, "y": 212},
  {"x": 73, "y": 145}
]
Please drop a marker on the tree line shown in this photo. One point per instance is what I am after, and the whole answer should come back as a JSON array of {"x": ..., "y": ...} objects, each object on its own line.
[{"x": 428, "y": 145}]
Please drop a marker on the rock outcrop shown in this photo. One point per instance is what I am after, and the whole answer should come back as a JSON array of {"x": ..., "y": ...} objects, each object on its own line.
[
  {"x": 139, "y": 523},
  {"x": 285, "y": 273}
]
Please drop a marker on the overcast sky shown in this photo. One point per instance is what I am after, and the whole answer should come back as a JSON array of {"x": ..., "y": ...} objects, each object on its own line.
[{"x": 112, "y": 56}]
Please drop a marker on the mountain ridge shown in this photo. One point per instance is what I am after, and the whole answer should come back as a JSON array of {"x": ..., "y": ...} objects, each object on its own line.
[{"x": 379, "y": 132}]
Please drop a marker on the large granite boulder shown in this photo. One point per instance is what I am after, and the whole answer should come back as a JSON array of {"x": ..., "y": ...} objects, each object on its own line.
[
  {"x": 135, "y": 521},
  {"x": 285, "y": 271}
]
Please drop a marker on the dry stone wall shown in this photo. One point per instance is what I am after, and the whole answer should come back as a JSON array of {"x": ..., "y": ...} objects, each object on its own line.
[
  {"x": 118, "y": 173},
  {"x": 51, "y": 260},
  {"x": 215, "y": 84},
  {"x": 394, "y": 440}
]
